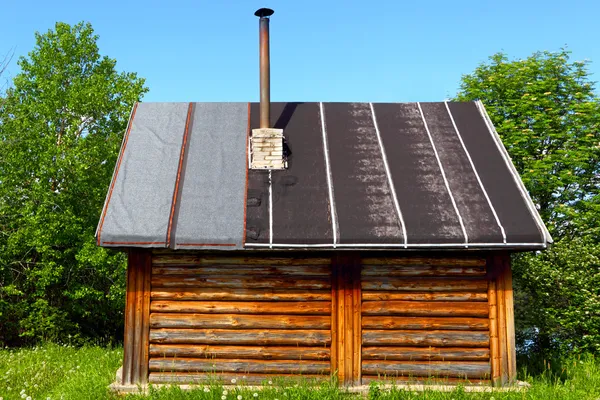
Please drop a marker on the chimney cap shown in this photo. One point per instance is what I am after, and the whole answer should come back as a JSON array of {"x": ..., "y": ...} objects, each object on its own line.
[{"x": 264, "y": 12}]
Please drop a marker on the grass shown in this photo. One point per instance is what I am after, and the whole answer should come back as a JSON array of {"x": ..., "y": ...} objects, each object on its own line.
[
  {"x": 57, "y": 372},
  {"x": 65, "y": 372}
]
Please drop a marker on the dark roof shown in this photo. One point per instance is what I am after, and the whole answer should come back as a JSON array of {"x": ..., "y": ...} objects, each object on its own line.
[{"x": 360, "y": 175}]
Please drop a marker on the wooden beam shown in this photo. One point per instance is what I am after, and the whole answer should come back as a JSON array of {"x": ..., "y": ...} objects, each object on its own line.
[
  {"x": 504, "y": 371},
  {"x": 346, "y": 318},
  {"x": 240, "y": 337},
  {"x": 357, "y": 319},
  {"x": 424, "y": 323},
  {"x": 405, "y": 353},
  {"x": 506, "y": 278},
  {"x": 137, "y": 315},
  {"x": 335, "y": 323},
  {"x": 494, "y": 350},
  {"x": 251, "y": 352}
]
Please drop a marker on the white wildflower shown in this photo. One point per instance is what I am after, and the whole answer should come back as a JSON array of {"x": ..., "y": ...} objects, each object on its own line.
[
  {"x": 22, "y": 391},
  {"x": 270, "y": 382},
  {"x": 223, "y": 397},
  {"x": 28, "y": 398},
  {"x": 234, "y": 380},
  {"x": 206, "y": 390},
  {"x": 23, "y": 395},
  {"x": 239, "y": 397},
  {"x": 225, "y": 392},
  {"x": 255, "y": 395}
]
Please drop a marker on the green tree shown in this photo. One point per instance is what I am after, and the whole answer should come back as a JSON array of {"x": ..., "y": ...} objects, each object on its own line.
[
  {"x": 61, "y": 126},
  {"x": 4, "y": 62},
  {"x": 548, "y": 116}
]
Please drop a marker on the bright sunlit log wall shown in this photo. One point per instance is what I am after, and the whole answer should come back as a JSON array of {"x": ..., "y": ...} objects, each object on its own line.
[{"x": 195, "y": 317}]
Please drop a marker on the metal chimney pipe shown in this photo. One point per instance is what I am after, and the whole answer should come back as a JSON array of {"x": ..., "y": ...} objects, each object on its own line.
[{"x": 265, "y": 66}]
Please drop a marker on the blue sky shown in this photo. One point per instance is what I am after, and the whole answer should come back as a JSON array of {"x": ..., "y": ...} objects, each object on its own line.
[{"x": 320, "y": 50}]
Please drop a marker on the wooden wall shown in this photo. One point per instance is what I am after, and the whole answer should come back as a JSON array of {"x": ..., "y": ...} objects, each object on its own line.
[
  {"x": 196, "y": 317},
  {"x": 239, "y": 318},
  {"x": 425, "y": 317}
]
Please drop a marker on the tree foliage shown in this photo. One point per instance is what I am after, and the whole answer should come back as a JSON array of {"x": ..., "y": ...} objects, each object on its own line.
[
  {"x": 558, "y": 298},
  {"x": 548, "y": 116},
  {"x": 4, "y": 62},
  {"x": 61, "y": 126},
  {"x": 546, "y": 111}
]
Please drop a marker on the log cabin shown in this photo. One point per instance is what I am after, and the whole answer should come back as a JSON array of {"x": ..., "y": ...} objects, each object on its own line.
[{"x": 365, "y": 241}]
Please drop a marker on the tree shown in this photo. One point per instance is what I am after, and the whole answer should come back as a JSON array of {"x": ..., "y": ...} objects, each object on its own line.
[
  {"x": 61, "y": 128},
  {"x": 548, "y": 116},
  {"x": 4, "y": 61}
]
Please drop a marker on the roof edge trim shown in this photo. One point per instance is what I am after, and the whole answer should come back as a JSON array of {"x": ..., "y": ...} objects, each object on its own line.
[
  {"x": 115, "y": 172},
  {"x": 400, "y": 245}
]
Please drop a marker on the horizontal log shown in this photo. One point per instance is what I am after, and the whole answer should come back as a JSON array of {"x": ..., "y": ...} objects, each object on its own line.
[
  {"x": 242, "y": 337},
  {"x": 441, "y": 338},
  {"x": 456, "y": 369},
  {"x": 239, "y": 321},
  {"x": 425, "y": 323},
  {"x": 243, "y": 307},
  {"x": 421, "y": 270},
  {"x": 264, "y": 294},
  {"x": 434, "y": 261},
  {"x": 239, "y": 365},
  {"x": 253, "y": 352},
  {"x": 425, "y": 296},
  {"x": 229, "y": 378},
  {"x": 426, "y": 308},
  {"x": 191, "y": 259},
  {"x": 238, "y": 281},
  {"x": 419, "y": 284},
  {"x": 285, "y": 270},
  {"x": 431, "y": 380},
  {"x": 425, "y": 353}
]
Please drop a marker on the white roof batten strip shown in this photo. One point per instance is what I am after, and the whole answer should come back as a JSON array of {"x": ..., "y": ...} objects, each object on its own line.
[
  {"x": 515, "y": 173},
  {"x": 476, "y": 173},
  {"x": 389, "y": 176},
  {"x": 270, "y": 210},
  {"x": 462, "y": 225},
  {"x": 334, "y": 224},
  {"x": 398, "y": 245}
]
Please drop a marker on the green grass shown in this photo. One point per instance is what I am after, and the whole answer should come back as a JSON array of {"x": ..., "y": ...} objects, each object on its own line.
[
  {"x": 65, "y": 372},
  {"x": 57, "y": 372}
]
